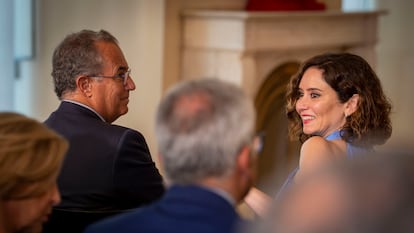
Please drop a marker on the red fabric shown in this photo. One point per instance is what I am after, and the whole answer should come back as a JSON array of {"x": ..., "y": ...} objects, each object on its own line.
[{"x": 284, "y": 5}]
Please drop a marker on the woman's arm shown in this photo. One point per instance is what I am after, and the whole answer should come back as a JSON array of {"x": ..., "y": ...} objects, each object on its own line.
[{"x": 258, "y": 201}]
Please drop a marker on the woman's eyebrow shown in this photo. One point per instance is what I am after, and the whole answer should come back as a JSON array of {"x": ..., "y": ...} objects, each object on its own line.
[{"x": 314, "y": 89}]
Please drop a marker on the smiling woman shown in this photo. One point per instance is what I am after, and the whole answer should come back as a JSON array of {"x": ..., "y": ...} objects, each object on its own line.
[
  {"x": 337, "y": 109},
  {"x": 336, "y": 106},
  {"x": 30, "y": 159}
]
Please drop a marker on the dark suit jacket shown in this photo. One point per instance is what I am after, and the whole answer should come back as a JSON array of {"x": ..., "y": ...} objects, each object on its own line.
[
  {"x": 108, "y": 168},
  {"x": 183, "y": 209}
]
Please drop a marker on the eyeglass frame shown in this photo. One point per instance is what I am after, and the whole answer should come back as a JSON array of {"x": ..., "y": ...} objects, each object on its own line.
[
  {"x": 257, "y": 143},
  {"x": 125, "y": 79}
]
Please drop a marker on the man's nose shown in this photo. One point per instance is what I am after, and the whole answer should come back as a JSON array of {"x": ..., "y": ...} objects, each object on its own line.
[{"x": 130, "y": 84}]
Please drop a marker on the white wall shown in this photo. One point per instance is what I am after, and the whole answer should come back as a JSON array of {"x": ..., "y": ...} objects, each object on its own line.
[
  {"x": 137, "y": 24},
  {"x": 395, "y": 61},
  {"x": 395, "y": 66}
]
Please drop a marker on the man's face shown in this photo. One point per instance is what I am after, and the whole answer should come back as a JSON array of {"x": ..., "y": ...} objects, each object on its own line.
[{"x": 110, "y": 96}]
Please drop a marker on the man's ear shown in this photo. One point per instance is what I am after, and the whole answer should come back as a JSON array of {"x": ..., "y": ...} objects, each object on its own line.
[
  {"x": 244, "y": 159},
  {"x": 351, "y": 105},
  {"x": 84, "y": 85}
]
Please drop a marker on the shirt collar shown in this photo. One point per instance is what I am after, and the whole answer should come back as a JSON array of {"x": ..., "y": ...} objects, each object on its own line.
[
  {"x": 222, "y": 194},
  {"x": 85, "y": 106}
]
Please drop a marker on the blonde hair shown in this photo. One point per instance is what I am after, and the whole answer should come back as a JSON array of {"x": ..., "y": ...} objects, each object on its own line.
[{"x": 31, "y": 156}]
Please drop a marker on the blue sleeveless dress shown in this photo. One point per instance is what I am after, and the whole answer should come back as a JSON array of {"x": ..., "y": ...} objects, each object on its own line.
[{"x": 351, "y": 153}]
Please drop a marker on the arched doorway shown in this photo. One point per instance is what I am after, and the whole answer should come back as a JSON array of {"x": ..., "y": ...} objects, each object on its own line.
[{"x": 279, "y": 154}]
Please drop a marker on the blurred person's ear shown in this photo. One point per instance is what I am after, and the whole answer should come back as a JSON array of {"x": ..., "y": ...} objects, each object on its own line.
[
  {"x": 246, "y": 166},
  {"x": 244, "y": 160}
]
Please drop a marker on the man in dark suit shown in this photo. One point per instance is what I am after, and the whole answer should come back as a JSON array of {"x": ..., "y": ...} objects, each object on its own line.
[
  {"x": 205, "y": 133},
  {"x": 108, "y": 168}
]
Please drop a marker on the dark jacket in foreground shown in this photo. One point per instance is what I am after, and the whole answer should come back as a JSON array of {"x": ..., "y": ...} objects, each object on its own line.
[{"x": 183, "y": 209}]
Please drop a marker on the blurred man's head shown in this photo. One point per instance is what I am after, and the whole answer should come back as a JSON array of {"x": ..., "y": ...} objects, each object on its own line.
[{"x": 205, "y": 132}]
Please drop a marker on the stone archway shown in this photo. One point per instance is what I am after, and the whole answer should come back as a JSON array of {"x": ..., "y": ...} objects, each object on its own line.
[{"x": 279, "y": 155}]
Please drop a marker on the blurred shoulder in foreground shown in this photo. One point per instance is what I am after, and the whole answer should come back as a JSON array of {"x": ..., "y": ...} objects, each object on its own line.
[{"x": 372, "y": 194}]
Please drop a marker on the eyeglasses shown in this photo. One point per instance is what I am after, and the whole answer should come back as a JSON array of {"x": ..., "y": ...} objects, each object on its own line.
[
  {"x": 257, "y": 143},
  {"x": 123, "y": 76}
]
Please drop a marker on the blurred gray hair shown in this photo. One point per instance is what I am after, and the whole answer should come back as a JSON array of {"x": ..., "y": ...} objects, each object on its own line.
[{"x": 201, "y": 142}]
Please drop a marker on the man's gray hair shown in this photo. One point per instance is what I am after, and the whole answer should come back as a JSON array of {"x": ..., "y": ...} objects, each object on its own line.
[
  {"x": 77, "y": 55},
  {"x": 201, "y": 126}
]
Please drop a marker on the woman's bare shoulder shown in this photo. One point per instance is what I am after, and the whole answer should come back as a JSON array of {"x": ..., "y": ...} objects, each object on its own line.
[
  {"x": 317, "y": 151},
  {"x": 318, "y": 147}
]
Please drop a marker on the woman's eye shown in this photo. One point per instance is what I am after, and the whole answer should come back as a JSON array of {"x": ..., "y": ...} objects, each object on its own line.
[{"x": 314, "y": 95}]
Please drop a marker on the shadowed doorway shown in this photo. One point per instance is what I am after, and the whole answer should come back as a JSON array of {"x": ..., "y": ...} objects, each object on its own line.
[{"x": 279, "y": 155}]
